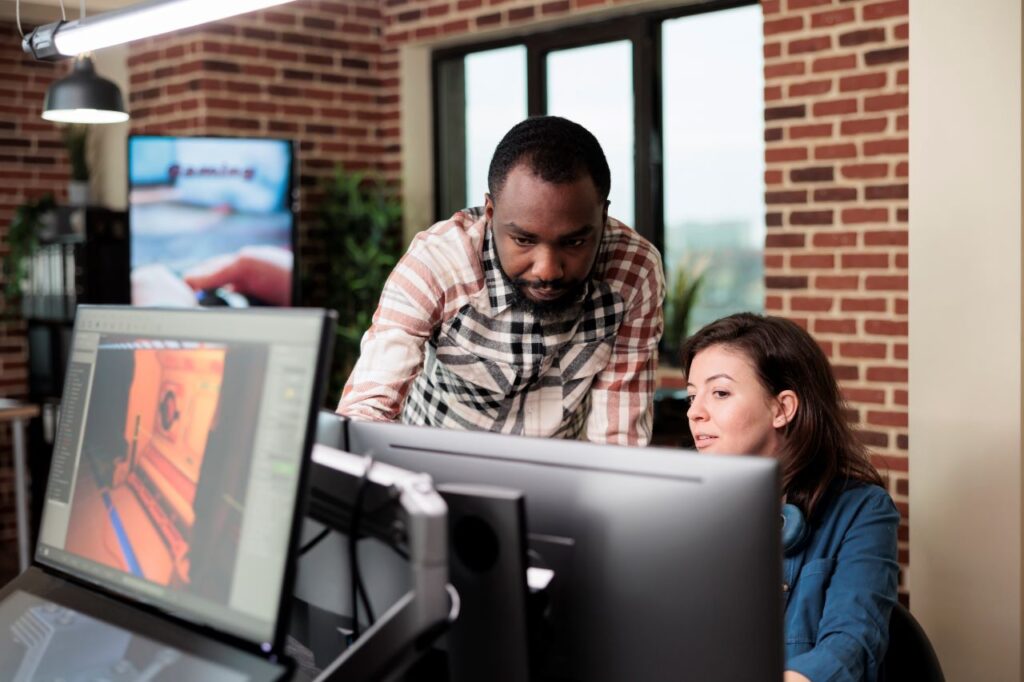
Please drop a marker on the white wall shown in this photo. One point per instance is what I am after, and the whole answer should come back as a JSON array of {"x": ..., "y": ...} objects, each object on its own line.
[{"x": 965, "y": 334}]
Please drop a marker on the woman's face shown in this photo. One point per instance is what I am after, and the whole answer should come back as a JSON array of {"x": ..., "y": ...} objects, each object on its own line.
[{"x": 730, "y": 411}]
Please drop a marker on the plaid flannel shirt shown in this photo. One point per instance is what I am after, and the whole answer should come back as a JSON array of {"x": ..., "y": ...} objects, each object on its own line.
[{"x": 448, "y": 348}]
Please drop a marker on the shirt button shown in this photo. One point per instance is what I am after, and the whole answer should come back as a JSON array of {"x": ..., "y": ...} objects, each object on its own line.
[{"x": 785, "y": 587}]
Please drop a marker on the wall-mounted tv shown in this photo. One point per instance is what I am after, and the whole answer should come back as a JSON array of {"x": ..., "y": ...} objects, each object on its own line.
[{"x": 211, "y": 221}]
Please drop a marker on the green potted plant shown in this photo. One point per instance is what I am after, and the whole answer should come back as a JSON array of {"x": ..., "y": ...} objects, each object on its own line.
[
  {"x": 22, "y": 241},
  {"x": 680, "y": 300},
  {"x": 361, "y": 218},
  {"x": 76, "y": 137}
]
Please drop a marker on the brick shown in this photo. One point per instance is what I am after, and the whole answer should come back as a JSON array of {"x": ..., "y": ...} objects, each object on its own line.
[
  {"x": 864, "y": 395},
  {"x": 867, "y": 81},
  {"x": 786, "y": 197},
  {"x": 773, "y": 92},
  {"x": 785, "y": 282},
  {"x": 885, "y": 10},
  {"x": 792, "y": 5},
  {"x": 788, "y": 240},
  {"x": 862, "y": 36},
  {"x": 773, "y": 177},
  {"x": 832, "y": 17},
  {"x": 886, "y": 102},
  {"x": 863, "y": 125},
  {"x": 846, "y": 372},
  {"x": 805, "y": 45},
  {"x": 837, "y": 63},
  {"x": 863, "y": 171},
  {"x": 835, "y": 151},
  {"x": 863, "y": 305},
  {"x": 864, "y": 260},
  {"x": 901, "y": 32},
  {"x": 879, "y": 418},
  {"x": 812, "y": 260},
  {"x": 882, "y": 147},
  {"x": 886, "y": 327},
  {"x": 887, "y": 56},
  {"x": 781, "y": 154},
  {"x": 783, "y": 25},
  {"x": 778, "y": 113},
  {"x": 835, "y": 239},
  {"x": 836, "y": 107},
  {"x": 773, "y": 219},
  {"x": 827, "y": 194},
  {"x": 862, "y": 350},
  {"x": 886, "y": 238},
  {"x": 810, "y": 304},
  {"x": 810, "y": 88},
  {"x": 836, "y": 282},
  {"x": 880, "y": 192},
  {"x": 773, "y": 134},
  {"x": 901, "y": 397},
  {"x": 812, "y": 174},
  {"x": 872, "y": 439},
  {"x": 900, "y": 351},
  {"x": 811, "y": 217},
  {"x": 886, "y": 283},
  {"x": 852, "y": 216},
  {"x": 810, "y": 131},
  {"x": 783, "y": 70}
]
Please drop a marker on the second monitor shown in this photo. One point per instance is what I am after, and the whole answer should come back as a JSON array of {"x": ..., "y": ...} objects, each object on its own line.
[{"x": 667, "y": 563}]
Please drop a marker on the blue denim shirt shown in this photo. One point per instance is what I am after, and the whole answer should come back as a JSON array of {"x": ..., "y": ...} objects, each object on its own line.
[{"x": 840, "y": 588}]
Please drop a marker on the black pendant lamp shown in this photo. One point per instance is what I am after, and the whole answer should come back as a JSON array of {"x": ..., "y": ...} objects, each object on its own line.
[{"x": 83, "y": 96}]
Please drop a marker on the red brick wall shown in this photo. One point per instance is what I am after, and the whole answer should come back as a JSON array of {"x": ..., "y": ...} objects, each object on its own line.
[
  {"x": 836, "y": 91},
  {"x": 32, "y": 163}
]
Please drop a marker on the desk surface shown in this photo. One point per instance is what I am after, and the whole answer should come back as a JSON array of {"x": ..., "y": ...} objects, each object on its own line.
[{"x": 15, "y": 409}]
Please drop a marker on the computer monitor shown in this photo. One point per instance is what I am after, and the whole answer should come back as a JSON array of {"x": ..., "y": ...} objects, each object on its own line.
[
  {"x": 667, "y": 563},
  {"x": 180, "y": 460}
]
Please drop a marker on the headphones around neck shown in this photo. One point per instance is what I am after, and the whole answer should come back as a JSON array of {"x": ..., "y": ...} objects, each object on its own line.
[{"x": 794, "y": 529}]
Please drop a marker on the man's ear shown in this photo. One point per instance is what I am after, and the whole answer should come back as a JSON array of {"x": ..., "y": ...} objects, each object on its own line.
[
  {"x": 784, "y": 408},
  {"x": 488, "y": 207},
  {"x": 604, "y": 213}
]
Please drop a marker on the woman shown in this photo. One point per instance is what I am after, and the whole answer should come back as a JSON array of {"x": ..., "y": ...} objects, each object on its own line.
[{"x": 761, "y": 386}]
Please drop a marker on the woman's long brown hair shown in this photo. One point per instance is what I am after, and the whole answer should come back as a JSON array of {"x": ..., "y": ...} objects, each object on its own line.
[{"x": 820, "y": 446}]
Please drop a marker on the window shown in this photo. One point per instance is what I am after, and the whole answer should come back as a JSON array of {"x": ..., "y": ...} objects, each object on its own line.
[{"x": 676, "y": 99}]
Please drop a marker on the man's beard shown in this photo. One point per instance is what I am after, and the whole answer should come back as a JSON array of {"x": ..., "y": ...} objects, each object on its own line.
[{"x": 545, "y": 310}]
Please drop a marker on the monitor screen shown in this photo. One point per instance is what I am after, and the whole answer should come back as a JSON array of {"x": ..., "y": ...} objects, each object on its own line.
[
  {"x": 210, "y": 221},
  {"x": 48, "y": 641},
  {"x": 178, "y": 457},
  {"x": 663, "y": 560}
]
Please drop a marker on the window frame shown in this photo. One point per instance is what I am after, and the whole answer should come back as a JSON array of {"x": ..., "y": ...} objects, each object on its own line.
[{"x": 643, "y": 30}]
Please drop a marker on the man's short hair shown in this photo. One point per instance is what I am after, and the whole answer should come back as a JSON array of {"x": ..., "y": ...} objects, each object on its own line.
[{"x": 555, "y": 149}]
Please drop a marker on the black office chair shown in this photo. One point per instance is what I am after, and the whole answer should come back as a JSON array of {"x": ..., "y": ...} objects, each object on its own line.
[{"x": 910, "y": 655}]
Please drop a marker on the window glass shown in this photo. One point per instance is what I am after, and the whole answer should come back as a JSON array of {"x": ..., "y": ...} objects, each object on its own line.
[
  {"x": 593, "y": 86},
  {"x": 713, "y": 135},
  {"x": 495, "y": 101}
]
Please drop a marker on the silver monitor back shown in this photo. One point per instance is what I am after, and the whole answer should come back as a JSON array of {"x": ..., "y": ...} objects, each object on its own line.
[{"x": 667, "y": 563}]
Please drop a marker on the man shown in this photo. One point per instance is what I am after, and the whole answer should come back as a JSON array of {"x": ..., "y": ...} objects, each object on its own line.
[{"x": 537, "y": 315}]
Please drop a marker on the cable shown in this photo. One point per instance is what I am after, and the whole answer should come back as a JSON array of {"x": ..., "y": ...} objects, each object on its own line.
[
  {"x": 358, "y": 590},
  {"x": 314, "y": 541},
  {"x": 63, "y": 14},
  {"x": 17, "y": 16}
]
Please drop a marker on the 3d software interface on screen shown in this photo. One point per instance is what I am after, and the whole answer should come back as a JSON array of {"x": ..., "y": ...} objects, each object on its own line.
[{"x": 176, "y": 463}]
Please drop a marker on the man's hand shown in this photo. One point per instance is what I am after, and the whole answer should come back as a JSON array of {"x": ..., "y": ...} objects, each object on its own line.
[
  {"x": 261, "y": 271},
  {"x": 155, "y": 284}
]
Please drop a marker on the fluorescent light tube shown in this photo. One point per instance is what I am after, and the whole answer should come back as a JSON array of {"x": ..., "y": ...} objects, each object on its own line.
[{"x": 142, "y": 20}]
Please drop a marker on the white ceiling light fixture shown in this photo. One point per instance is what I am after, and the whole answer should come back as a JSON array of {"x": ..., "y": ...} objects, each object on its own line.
[{"x": 61, "y": 39}]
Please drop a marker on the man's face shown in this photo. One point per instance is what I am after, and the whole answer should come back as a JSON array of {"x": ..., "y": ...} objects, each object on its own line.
[{"x": 547, "y": 235}]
